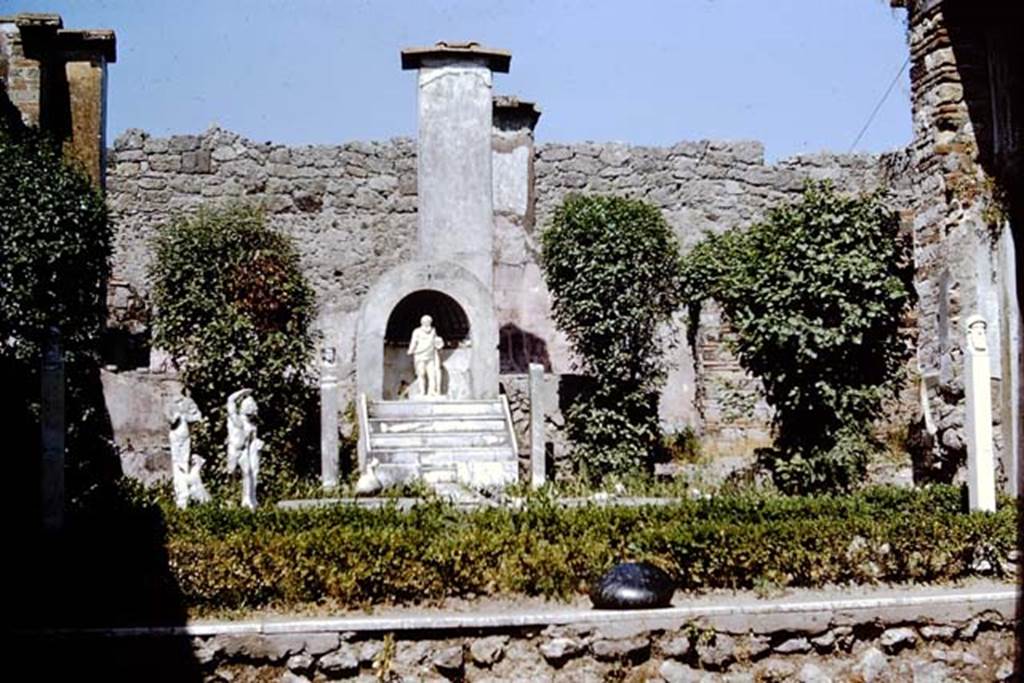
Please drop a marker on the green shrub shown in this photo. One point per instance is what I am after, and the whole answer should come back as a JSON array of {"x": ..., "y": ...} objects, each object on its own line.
[
  {"x": 817, "y": 295},
  {"x": 234, "y": 310},
  {"x": 232, "y": 559},
  {"x": 55, "y": 244},
  {"x": 612, "y": 267}
]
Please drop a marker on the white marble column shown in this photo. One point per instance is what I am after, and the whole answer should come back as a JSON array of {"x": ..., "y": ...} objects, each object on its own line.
[
  {"x": 538, "y": 475},
  {"x": 981, "y": 479},
  {"x": 329, "y": 418}
]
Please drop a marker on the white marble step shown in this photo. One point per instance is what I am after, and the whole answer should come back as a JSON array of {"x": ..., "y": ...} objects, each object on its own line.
[
  {"x": 423, "y": 409},
  {"x": 391, "y": 474},
  {"x": 446, "y": 423},
  {"x": 444, "y": 456},
  {"x": 432, "y": 439}
]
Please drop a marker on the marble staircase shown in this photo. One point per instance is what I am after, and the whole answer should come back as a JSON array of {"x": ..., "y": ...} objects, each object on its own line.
[{"x": 441, "y": 442}]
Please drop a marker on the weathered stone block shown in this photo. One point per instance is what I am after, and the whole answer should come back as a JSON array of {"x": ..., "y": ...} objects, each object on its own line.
[
  {"x": 341, "y": 662},
  {"x": 559, "y": 649},
  {"x": 450, "y": 660},
  {"x": 488, "y": 651},
  {"x": 156, "y": 146},
  {"x": 184, "y": 143}
]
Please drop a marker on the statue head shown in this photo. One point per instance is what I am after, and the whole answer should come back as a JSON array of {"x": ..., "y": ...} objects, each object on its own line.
[
  {"x": 426, "y": 321},
  {"x": 975, "y": 329},
  {"x": 182, "y": 409},
  {"x": 189, "y": 409},
  {"x": 248, "y": 407}
]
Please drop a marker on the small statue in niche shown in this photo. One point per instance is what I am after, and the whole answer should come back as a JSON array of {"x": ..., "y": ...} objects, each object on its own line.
[
  {"x": 243, "y": 444},
  {"x": 424, "y": 347},
  {"x": 185, "y": 468}
]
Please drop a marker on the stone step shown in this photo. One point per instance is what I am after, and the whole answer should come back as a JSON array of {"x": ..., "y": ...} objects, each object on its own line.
[
  {"x": 444, "y": 456},
  {"x": 443, "y": 423},
  {"x": 423, "y": 409},
  {"x": 432, "y": 439}
]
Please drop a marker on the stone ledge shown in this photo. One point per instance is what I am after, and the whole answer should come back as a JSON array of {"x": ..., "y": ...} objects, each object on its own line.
[
  {"x": 942, "y": 605},
  {"x": 497, "y": 60}
]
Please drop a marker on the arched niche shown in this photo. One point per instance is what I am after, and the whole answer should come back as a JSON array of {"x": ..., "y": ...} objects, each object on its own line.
[
  {"x": 452, "y": 325},
  {"x": 464, "y": 317}
]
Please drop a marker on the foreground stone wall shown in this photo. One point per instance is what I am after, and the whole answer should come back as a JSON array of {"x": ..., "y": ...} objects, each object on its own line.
[
  {"x": 930, "y": 652},
  {"x": 351, "y": 210},
  {"x": 876, "y": 647}
]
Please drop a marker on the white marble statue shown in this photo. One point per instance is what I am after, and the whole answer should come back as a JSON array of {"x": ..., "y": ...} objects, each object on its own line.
[
  {"x": 243, "y": 443},
  {"x": 196, "y": 490},
  {"x": 981, "y": 477},
  {"x": 185, "y": 468},
  {"x": 424, "y": 347}
]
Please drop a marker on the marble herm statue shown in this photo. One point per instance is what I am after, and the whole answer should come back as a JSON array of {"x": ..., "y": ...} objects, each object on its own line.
[
  {"x": 424, "y": 347},
  {"x": 243, "y": 444},
  {"x": 981, "y": 477},
  {"x": 185, "y": 469}
]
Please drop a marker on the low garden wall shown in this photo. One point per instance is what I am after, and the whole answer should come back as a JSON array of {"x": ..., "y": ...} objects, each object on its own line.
[{"x": 961, "y": 635}]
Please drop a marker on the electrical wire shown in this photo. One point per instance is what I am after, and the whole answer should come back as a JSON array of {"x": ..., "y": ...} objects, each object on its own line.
[{"x": 878, "y": 106}]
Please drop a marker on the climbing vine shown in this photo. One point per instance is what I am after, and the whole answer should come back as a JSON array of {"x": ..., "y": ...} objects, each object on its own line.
[
  {"x": 817, "y": 295},
  {"x": 612, "y": 266}
]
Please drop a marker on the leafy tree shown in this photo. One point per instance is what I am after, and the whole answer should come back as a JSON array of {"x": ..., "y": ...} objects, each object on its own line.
[
  {"x": 816, "y": 294},
  {"x": 55, "y": 244},
  {"x": 612, "y": 267},
  {"x": 234, "y": 310}
]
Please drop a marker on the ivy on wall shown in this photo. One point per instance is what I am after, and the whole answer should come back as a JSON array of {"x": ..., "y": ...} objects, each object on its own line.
[
  {"x": 612, "y": 266},
  {"x": 817, "y": 295}
]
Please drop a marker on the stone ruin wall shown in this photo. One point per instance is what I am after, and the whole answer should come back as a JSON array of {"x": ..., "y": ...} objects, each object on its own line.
[
  {"x": 962, "y": 247},
  {"x": 963, "y": 642},
  {"x": 351, "y": 209}
]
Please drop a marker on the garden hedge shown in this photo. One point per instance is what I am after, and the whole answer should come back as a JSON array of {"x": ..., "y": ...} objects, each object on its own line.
[{"x": 232, "y": 559}]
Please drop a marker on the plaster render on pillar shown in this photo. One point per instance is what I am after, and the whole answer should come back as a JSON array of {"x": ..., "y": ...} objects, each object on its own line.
[
  {"x": 449, "y": 279},
  {"x": 455, "y": 209},
  {"x": 57, "y": 79}
]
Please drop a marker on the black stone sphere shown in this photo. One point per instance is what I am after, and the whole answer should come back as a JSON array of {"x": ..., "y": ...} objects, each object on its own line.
[{"x": 633, "y": 585}]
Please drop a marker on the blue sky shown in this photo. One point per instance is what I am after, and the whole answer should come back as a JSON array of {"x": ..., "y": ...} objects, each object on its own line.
[{"x": 799, "y": 75}]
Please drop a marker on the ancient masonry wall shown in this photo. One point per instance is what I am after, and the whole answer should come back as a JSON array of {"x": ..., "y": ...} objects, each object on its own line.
[
  {"x": 962, "y": 245},
  {"x": 351, "y": 209},
  {"x": 880, "y": 646}
]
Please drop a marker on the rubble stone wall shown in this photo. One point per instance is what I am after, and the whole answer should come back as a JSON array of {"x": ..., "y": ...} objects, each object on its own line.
[
  {"x": 351, "y": 209},
  {"x": 962, "y": 244},
  {"x": 875, "y": 648}
]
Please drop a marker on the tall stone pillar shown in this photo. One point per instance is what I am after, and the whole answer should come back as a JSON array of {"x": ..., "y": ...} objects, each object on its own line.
[
  {"x": 56, "y": 78},
  {"x": 52, "y": 433},
  {"x": 453, "y": 179},
  {"x": 85, "y": 55}
]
